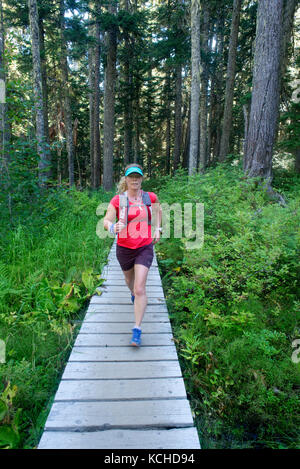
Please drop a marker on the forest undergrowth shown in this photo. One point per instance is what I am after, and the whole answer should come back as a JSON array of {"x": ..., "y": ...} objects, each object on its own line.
[{"x": 234, "y": 304}]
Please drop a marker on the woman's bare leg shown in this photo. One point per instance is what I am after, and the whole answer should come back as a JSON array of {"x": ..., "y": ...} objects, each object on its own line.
[
  {"x": 129, "y": 278},
  {"x": 140, "y": 301}
]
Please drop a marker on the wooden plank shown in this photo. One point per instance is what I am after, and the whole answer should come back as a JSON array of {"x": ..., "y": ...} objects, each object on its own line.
[
  {"x": 112, "y": 274},
  {"x": 108, "y": 387},
  {"x": 121, "y": 340},
  {"x": 107, "y": 370},
  {"x": 121, "y": 281},
  {"x": 167, "y": 388},
  {"x": 126, "y": 308},
  {"x": 124, "y": 288},
  {"x": 106, "y": 328},
  {"x": 125, "y": 317},
  {"x": 107, "y": 293},
  {"x": 175, "y": 438},
  {"x": 125, "y": 414},
  {"x": 116, "y": 268},
  {"x": 121, "y": 354},
  {"x": 110, "y": 300}
]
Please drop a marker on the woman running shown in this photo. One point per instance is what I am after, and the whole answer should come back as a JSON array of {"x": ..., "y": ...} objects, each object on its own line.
[{"x": 134, "y": 210}]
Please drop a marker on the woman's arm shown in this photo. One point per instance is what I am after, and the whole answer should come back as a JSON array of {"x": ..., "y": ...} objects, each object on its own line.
[{"x": 110, "y": 217}]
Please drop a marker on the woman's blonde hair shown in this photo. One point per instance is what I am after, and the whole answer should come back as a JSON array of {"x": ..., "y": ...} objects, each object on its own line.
[{"x": 122, "y": 186}]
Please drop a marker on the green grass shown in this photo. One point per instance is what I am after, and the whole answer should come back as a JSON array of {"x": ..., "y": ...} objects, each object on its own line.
[{"x": 49, "y": 268}]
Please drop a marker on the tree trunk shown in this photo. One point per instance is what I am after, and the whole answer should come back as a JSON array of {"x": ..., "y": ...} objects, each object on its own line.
[
  {"x": 59, "y": 120},
  {"x": 4, "y": 124},
  {"x": 215, "y": 112},
  {"x": 75, "y": 136},
  {"x": 96, "y": 104},
  {"x": 44, "y": 164},
  {"x": 109, "y": 104},
  {"x": 297, "y": 161},
  {"x": 128, "y": 122},
  {"x": 185, "y": 156},
  {"x": 246, "y": 112},
  {"x": 178, "y": 117},
  {"x": 91, "y": 77},
  {"x": 44, "y": 78},
  {"x": 195, "y": 85},
  {"x": 227, "y": 116},
  {"x": 137, "y": 124},
  {"x": 265, "y": 93},
  {"x": 289, "y": 8},
  {"x": 168, "y": 122},
  {"x": 149, "y": 132},
  {"x": 203, "y": 96},
  {"x": 67, "y": 98}
]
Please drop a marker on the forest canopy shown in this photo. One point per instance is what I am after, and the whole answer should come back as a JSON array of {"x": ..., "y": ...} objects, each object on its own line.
[{"x": 94, "y": 85}]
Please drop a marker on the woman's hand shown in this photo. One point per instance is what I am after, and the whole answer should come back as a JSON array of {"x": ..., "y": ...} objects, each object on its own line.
[
  {"x": 156, "y": 237},
  {"x": 119, "y": 226}
]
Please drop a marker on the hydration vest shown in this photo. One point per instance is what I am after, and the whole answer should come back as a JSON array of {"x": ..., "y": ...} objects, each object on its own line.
[{"x": 124, "y": 205}]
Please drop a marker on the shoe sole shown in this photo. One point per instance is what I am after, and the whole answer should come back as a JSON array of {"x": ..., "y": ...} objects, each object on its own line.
[{"x": 134, "y": 344}]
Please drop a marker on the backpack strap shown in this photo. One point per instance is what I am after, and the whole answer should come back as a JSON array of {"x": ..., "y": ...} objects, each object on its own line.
[
  {"x": 147, "y": 201},
  {"x": 124, "y": 205},
  {"x": 123, "y": 199}
]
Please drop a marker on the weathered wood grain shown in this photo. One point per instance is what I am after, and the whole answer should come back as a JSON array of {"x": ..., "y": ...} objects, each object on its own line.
[
  {"x": 175, "y": 438},
  {"x": 112, "y": 395},
  {"x": 119, "y": 414}
]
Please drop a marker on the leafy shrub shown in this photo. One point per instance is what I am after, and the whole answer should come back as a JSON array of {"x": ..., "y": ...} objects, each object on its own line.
[
  {"x": 234, "y": 308},
  {"x": 50, "y": 266}
]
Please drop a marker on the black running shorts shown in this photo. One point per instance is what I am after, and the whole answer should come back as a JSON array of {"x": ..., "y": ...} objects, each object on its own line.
[{"x": 128, "y": 257}]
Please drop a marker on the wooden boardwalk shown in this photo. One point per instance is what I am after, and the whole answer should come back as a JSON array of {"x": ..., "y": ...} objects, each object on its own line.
[{"x": 112, "y": 395}]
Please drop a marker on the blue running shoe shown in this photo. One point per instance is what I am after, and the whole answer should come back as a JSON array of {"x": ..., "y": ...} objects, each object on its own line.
[
  {"x": 132, "y": 298},
  {"x": 136, "y": 337}
]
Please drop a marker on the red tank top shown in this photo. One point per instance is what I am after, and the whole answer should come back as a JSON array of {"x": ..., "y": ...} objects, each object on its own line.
[{"x": 137, "y": 233}]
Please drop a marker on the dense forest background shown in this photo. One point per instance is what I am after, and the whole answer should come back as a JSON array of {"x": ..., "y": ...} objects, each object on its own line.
[
  {"x": 205, "y": 95},
  {"x": 94, "y": 85}
]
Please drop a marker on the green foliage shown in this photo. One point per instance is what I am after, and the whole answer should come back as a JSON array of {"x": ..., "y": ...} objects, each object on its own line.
[
  {"x": 234, "y": 307},
  {"x": 50, "y": 266},
  {"x": 9, "y": 420},
  {"x": 290, "y": 119}
]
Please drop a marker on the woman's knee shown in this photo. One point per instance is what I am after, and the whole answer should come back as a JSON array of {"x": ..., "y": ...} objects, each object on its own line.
[{"x": 140, "y": 290}]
